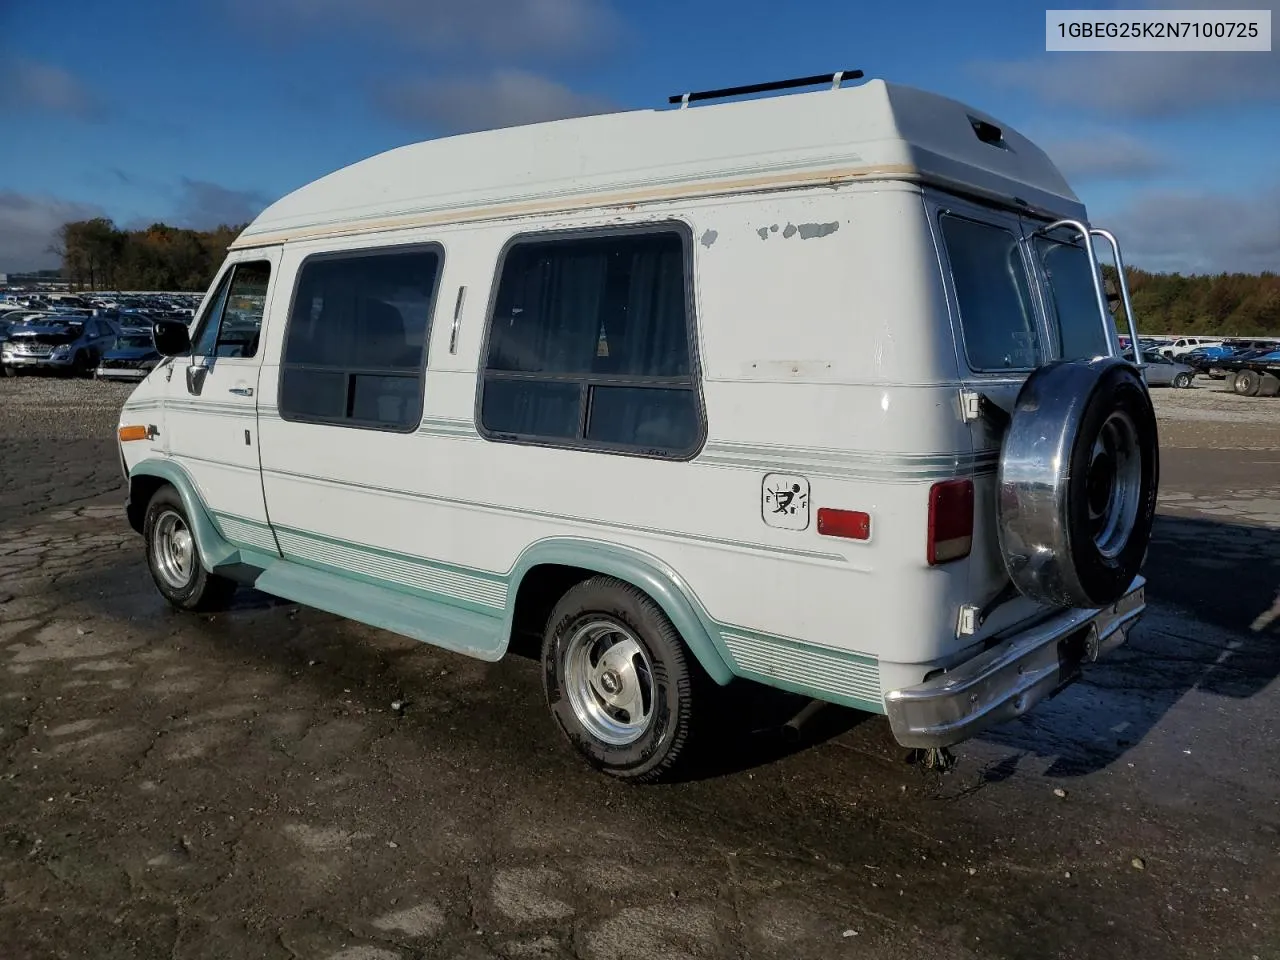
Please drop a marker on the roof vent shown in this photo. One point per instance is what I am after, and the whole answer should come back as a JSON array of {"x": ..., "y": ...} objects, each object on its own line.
[
  {"x": 988, "y": 132},
  {"x": 835, "y": 79}
]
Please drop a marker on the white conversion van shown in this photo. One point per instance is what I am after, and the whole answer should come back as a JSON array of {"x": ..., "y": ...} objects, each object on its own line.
[{"x": 818, "y": 391}]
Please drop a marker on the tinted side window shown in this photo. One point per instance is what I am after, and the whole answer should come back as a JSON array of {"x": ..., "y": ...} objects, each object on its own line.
[
  {"x": 356, "y": 345},
  {"x": 589, "y": 345},
  {"x": 996, "y": 317}
]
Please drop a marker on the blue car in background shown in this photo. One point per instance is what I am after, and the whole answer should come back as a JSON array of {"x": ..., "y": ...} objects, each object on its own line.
[{"x": 133, "y": 356}]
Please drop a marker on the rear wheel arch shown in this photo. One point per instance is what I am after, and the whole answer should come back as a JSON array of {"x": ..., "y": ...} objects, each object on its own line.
[{"x": 548, "y": 569}]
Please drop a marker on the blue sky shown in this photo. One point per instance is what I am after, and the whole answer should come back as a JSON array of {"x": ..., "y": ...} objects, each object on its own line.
[{"x": 202, "y": 111}]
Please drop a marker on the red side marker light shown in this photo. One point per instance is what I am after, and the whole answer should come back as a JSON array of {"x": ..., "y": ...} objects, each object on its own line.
[{"x": 850, "y": 524}]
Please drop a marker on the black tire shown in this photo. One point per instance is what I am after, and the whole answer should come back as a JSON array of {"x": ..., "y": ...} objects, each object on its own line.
[
  {"x": 1229, "y": 380},
  {"x": 201, "y": 590},
  {"x": 1078, "y": 477},
  {"x": 7, "y": 372},
  {"x": 658, "y": 750},
  {"x": 1182, "y": 381},
  {"x": 1270, "y": 385},
  {"x": 1248, "y": 382}
]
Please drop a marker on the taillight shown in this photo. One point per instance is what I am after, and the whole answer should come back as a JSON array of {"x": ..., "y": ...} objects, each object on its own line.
[{"x": 950, "y": 520}]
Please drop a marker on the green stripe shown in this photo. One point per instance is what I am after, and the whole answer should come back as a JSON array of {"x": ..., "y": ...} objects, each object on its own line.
[
  {"x": 824, "y": 673},
  {"x": 480, "y": 591},
  {"x": 768, "y": 548}
]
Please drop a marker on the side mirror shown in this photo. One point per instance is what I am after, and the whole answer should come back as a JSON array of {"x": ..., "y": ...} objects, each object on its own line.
[{"x": 171, "y": 337}]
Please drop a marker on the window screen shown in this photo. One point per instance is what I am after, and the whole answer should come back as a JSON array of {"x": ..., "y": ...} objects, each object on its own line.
[
  {"x": 589, "y": 345},
  {"x": 996, "y": 316},
  {"x": 356, "y": 345},
  {"x": 1075, "y": 300}
]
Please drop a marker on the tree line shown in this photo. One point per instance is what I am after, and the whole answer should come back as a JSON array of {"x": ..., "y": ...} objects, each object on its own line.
[{"x": 97, "y": 255}]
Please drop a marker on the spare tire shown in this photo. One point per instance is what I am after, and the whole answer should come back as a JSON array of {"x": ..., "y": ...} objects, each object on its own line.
[{"x": 1077, "y": 479}]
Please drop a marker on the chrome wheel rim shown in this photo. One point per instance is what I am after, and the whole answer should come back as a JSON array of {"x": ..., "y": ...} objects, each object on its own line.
[
  {"x": 609, "y": 681},
  {"x": 173, "y": 549},
  {"x": 1114, "y": 484}
]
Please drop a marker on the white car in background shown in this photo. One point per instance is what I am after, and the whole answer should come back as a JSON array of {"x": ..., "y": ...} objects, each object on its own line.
[{"x": 1184, "y": 345}]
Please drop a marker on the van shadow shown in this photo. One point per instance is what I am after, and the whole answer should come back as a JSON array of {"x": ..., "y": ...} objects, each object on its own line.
[
  {"x": 1212, "y": 625},
  {"x": 744, "y": 725}
]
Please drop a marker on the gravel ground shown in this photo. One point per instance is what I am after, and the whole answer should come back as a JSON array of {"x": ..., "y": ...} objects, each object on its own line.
[
  {"x": 239, "y": 786},
  {"x": 1208, "y": 417},
  {"x": 57, "y": 442}
]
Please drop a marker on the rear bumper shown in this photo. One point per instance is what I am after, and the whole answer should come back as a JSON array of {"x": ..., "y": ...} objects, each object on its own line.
[{"x": 1011, "y": 677}]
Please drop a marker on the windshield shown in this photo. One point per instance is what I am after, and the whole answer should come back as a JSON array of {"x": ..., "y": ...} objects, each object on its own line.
[{"x": 1075, "y": 301}]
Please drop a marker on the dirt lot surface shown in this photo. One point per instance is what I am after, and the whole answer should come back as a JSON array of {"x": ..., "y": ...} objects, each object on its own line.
[{"x": 239, "y": 785}]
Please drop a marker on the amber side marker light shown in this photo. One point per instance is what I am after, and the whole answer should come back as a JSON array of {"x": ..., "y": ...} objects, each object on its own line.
[{"x": 134, "y": 433}]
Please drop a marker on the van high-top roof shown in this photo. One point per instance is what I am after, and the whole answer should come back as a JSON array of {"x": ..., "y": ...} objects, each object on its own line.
[{"x": 874, "y": 131}]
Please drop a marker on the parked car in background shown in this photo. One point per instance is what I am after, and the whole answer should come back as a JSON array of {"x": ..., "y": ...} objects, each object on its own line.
[
  {"x": 131, "y": 358},
  {"x": 1184, "y": 345},
  {"x": 1163, "y": 372},
  {"x": 54, "y": 344}
]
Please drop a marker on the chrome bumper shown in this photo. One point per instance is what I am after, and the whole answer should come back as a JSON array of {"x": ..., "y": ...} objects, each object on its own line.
[
  {"x": 27, "y": 360},
  {"x": 121, "y": 373},
  {"x": 1011, "y": 677}
]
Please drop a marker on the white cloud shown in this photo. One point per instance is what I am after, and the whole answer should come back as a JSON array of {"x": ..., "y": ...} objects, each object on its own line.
[
  {"x": 27, "y": 226},
  {"x": 507, "y": 98},
  {"x": 503, "y": 27},
  {"x": 1200, "y": 231},
  {"x": 29, "y": 85},
  {"x": 1143, "y": 85},
  {"x": 1105, "y": 155}
]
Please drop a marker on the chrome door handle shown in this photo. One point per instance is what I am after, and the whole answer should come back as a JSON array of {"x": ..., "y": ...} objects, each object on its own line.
[{"x": 242, "y": 391}]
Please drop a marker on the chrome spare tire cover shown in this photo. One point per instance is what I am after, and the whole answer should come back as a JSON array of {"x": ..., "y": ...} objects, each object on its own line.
[{"x": 1077, "y": 480}]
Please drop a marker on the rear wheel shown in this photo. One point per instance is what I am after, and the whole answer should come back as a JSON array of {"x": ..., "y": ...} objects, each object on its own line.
[
  {"x": 1248, "y": 383},
  {"x": 618, "y": 680},
  {"x": 1182, "y": 381},
  {"x": 174, "y": 560},
  {"x": 1270, "y": 385}
]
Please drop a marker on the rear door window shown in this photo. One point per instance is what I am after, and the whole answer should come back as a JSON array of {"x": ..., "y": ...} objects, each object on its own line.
[
  {"x": 993, "y": 294},
  {"x": 1074, "y": 300}
]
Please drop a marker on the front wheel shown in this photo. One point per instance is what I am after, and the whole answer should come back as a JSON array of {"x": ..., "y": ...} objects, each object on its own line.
[
  {"x": 618, "y": 680},
  {"x": 174, "y": 559},
  {"x": 1182, "y": 381}
]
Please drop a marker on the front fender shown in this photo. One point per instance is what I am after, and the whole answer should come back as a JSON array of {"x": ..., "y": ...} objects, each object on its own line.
[
  {"x": 213, "y": 548},
  {"x": 642, "y": 571}
]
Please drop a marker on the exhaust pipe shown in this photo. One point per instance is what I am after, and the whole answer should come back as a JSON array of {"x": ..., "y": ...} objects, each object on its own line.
[{"x": 792, "y": 728}]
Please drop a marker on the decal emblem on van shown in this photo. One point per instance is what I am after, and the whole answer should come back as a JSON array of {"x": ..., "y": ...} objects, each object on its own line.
[{"x": 784, "y": 501}]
